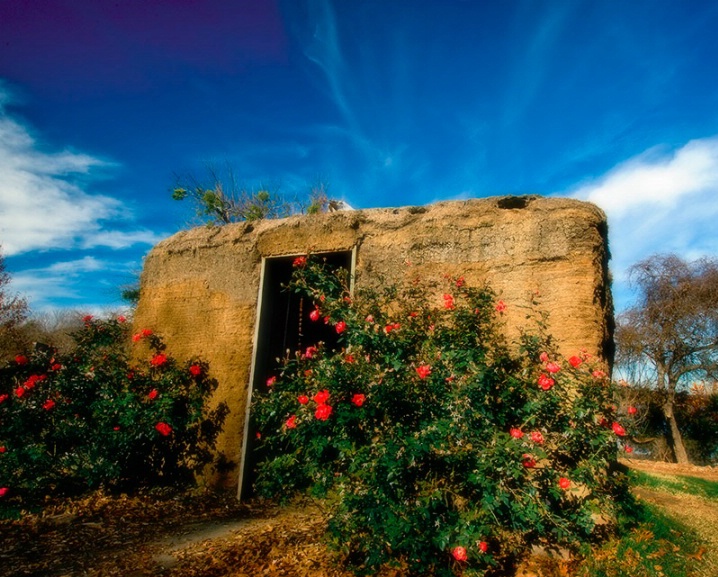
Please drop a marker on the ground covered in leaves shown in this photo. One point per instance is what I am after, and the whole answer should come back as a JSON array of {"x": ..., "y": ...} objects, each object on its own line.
[{"x": 212, "y": 535}]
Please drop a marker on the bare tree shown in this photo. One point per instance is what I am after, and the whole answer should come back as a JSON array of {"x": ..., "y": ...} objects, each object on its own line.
[
  {"x": 13, "y": 311},
  {"x": 670, "y": 337}
]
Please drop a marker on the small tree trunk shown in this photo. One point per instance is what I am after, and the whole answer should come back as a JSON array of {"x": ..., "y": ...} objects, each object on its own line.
[{"x": 679, "y": 449}]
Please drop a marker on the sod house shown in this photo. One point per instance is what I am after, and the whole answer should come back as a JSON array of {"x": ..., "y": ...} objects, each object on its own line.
[{"x": 216, "y": 291}]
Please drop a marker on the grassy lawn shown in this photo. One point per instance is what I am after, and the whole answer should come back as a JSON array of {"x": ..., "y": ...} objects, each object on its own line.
[{"x": 654, "y": 544}]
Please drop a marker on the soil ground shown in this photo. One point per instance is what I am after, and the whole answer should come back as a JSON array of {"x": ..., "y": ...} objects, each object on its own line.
[{"x": 214, "y": 536}]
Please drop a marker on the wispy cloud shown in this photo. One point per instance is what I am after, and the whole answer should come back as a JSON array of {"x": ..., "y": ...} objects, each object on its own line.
[
  {"x": 659, "y": 201},
  {"x": 44, "y": 203},
  {"x": 68, "y": 282}
]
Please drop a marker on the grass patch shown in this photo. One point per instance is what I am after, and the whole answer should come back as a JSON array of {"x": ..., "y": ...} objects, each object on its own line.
[
  {"x": 649, "y": 544},
  {"x": 677, "y": 484}
]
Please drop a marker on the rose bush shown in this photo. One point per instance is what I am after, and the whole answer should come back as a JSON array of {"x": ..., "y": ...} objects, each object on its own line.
[
  {"x": 97, "y": 417},
  {"x": 438, "y": 446}
]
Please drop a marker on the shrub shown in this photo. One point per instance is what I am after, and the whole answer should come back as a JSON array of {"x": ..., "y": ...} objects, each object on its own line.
[
  {"x": 439, "y": 447},
  {"x": 94, "y": 418}
]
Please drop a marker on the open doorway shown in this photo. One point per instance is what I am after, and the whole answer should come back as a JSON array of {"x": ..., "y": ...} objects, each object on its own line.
[{"x": 283, "y": 324}]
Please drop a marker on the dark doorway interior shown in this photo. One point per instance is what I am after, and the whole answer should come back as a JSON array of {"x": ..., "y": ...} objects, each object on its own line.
[{"x": 284, "y": 325}]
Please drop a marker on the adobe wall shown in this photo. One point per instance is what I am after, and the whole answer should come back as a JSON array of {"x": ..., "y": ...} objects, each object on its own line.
[{"x": 199, "y": 288}]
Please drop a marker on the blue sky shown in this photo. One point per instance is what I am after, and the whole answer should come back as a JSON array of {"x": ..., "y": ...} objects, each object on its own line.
[{"x": 390, "y": 102}]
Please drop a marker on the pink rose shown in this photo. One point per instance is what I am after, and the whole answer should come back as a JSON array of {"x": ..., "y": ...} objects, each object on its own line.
[
  {"x": 448, "y": 302},
  {"x": 528, "y": 461},
  {"x": 516, "y": 433},
  {"x": 459, "y": 553},
  {"x": 537, "y": 437},
  {"x": 158, "y": 360},
  {"x": 315, "y": 315},
  {"x": 553, "y": 367},
  {"x": 340, "y": 327},
  {"x": 500, "y": 307},
  {"x": 543, "y": 357},
  {"x": 3, "y": 491},
  {"x": 271, "y": 381},
  {"x": 423, "y": 371},
  {"x": 545, "y": 382},
  {"x": 310, "y": 352}
]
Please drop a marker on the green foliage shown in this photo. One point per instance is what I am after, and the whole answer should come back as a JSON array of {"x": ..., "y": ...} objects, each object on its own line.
[
  {"x": 96, "y": 418},
  {"x": 439, "y": 447}
]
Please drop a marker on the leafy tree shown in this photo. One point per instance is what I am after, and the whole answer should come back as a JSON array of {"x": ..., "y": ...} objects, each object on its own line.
[
  {"x": 670, "y": 337},
  {"x": 13, "y": 311}
]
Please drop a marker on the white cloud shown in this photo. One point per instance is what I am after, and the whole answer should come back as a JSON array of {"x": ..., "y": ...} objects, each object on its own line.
[
  {"x": 43, "y": 204},
  {"x": 68, "y": 282},
  {"x": 659, "y": 202}
]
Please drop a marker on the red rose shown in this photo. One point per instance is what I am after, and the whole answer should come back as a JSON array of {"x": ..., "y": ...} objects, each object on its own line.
[
  {"x": 158, "y": 360},
  {"x": 564, "y": 483},
  {"x": 3, "y": 398},
  {"x": 575, "y": 361},
  {"x": 322, "y": 413},
  {"x": 3, "y": 491},
  {"x": 49, "y": 404},
  {"x": 163, "y": 428},
  {"x": 2, "y": 449},
  {"x": 632, "y": 410},
  {"x": 483, "y": 546},
  {"x": 369, "y": 318},
  {"x": 153, "y": 394},
  {"x": 258, "y": 435},
  {"x": 56, "y": 367},
  {"x": 460, "y": 282},
  {"x": 136, "y": 337},
  {"x": 315, "y": 315},
  {"x": 448, "y": 302},
  {"x": 628, "y": 449},
  {"x": 528, "y": 461},
  {"x": 423, "y": 371},
  {"x": 321, "y": 397},
  {"x": 195, "y": 370},
  {"x": 553, "y": 367},
  {"x": 537, "y": 437},
  {"x": 146, "y": 333},
  {"x": 349, "y": 358},
  {"x": 20, "y": 391},
  {"x": 545, "y": 382},
  {"x": 300, "y": 261},
  {"x": 500, "y": 307},
  {"x": 115, "y": 428},
  {"x": 121, "y": 319},
  {"x": 340, "y": 327},
  {"x": 310, "y": 352},
  {"x": 271, "y": 381},
  {"x": 516, "y": 433},
  {"x": 459, "y": 553},
  {"x": 21, "y": 359},
  {"x": 543, "y": 357},
  {"x": 291, "y": 422},
  {"x": 358, "y": 399},
  {"x": 87, "y": 318},
  {"x": 618, "y": 429},
  {"x": 303, "y": 399}
]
